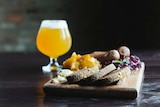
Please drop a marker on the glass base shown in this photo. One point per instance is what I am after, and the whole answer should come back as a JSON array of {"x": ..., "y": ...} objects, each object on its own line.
[
  {"x": 46, "y": 68},
  {"x": 52, "y": 66}
]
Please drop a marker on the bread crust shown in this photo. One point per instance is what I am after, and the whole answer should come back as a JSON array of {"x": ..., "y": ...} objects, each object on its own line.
[
  {"x": 114, "y": 76},
  {"x": 81, "y": 74},
  {"x": 102, "y": 72}
]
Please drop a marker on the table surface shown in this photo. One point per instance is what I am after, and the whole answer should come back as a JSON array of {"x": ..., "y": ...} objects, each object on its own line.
[{"x": 22, "y": 80}]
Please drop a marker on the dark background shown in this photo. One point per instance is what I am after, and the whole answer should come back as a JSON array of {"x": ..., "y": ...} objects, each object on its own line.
[
  {"x": 103, "y": 24},
  {"x": 94, "y": 24}
]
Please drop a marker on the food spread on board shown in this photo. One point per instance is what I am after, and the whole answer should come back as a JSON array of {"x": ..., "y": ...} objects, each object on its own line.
[{"x": 100, "y": 68}]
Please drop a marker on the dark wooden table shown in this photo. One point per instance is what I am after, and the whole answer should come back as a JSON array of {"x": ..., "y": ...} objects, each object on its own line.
[{"x": 21, "y": 83}]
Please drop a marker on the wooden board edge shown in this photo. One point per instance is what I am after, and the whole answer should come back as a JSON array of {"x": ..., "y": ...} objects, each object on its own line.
[
  {"x": 140, "y": 79},
  {"x": 89, "y": 91}
]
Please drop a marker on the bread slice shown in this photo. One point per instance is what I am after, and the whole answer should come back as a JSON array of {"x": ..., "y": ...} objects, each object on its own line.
[
  {"x": 102, "y": 72},
  {"x": 81, "y": 74},
  {"x": 114, "y": 76}
]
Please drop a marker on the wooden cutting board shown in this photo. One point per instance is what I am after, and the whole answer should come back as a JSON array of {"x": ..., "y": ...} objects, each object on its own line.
[{"x": 128, "y": 88}]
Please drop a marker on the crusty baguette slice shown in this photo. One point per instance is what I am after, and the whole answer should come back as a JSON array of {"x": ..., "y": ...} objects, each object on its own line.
[
  {"x": 114, "y": 76},
  {"x": 81, "y": 74},
  {"x": 102, "y": 72}
]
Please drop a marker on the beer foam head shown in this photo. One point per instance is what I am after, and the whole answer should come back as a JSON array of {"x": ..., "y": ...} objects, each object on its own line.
[{"x": 54, "y": 24}]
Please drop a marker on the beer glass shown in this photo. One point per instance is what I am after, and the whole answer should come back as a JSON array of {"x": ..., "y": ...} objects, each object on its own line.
[{"x": 53, "y": 40}]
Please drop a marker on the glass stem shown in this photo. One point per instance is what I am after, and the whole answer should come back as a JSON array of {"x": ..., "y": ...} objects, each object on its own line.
[{"x": 54, "y": 64}]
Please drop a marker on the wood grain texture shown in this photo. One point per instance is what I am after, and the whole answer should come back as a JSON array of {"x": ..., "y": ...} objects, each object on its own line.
[{"x": 128, "y": 88}]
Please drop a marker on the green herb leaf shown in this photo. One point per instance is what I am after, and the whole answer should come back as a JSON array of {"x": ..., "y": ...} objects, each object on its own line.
[
  {"x": 120, "y": 61},
  {"x": 117, "y": 61}
]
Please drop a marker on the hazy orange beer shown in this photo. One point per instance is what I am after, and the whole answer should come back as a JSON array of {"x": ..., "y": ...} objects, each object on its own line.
[{"x": 53, "y": 38}]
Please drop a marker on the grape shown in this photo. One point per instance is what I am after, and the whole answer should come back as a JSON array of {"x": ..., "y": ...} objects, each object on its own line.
[{"x": 132, "y": 61}]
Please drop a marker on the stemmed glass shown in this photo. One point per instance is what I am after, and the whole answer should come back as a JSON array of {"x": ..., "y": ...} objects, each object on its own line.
[{"x": 53, "y": 40}]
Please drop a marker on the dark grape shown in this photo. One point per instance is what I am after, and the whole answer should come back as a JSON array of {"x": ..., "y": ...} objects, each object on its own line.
[{"x": 133, "y": 62}]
